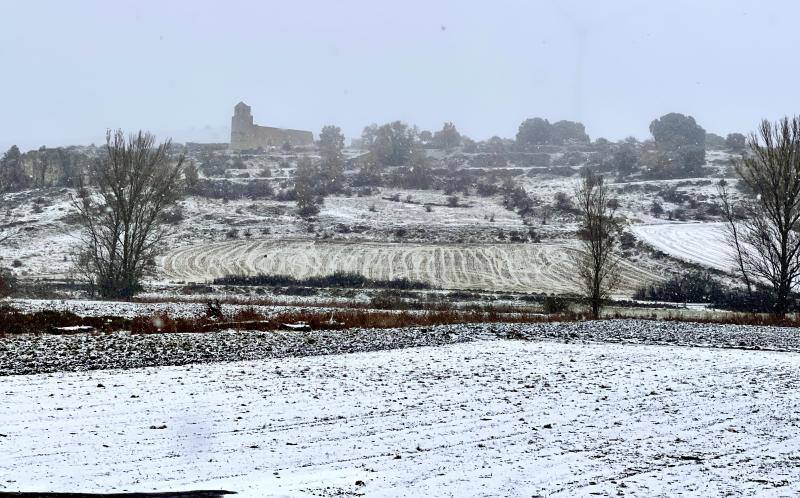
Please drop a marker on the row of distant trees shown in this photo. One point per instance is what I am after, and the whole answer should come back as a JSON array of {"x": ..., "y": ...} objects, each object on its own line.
[
  {"x": 677, "y": 150},
  {"x": 678, "y": 147},
  {"x": 44, "y": 167},
  {"x": 396, "y": 154},
  {"x": 673, "y": 130}
]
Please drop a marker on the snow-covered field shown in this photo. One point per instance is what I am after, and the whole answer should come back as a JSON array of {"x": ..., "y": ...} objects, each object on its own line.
[
  {"x": 505, "y": 267},
  {"x": 702, "y": 243},
  {"x": 472, "y": 211},
  {"x": 497, "y": 418}
]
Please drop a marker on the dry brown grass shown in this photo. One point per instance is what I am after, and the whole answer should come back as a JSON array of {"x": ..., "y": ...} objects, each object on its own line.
[
  {"x": 251, "y": 320},
  {"x": 15, "y": 322}
]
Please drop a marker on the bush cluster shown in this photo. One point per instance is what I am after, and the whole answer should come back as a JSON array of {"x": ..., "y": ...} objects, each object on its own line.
[
  {"x": 337, "y": 279},
  {"x": 701, "y": 287}
]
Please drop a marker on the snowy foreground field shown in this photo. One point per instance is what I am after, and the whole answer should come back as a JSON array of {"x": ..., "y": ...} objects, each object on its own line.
[{"x": 484, "y": 418}]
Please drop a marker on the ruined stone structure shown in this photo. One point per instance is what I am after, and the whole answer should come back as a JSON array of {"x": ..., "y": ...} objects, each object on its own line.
[{"x": 246, "y": 135}]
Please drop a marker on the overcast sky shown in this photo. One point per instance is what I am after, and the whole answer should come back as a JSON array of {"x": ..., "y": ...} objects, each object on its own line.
[{"x": 71, "y": 69}]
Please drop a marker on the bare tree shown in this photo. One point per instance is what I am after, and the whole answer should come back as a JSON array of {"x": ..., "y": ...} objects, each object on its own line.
[
  {"x": 596, "y": 264},
  {"x": 732, "y": 235},
  {"x": 133, "y": 183},
  {"x": 767, "y": 237}
]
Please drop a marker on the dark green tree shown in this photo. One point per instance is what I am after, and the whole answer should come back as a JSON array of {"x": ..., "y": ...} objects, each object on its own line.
[
  {"x": 393, "y": 144},
  {"x": 683, "y": 141},
  {"x": 735, "y": 142},
  {"x": 368, "y": 136},
  {"x": 12, "y": 173},
  {"x": 306, "y": 187},
  {"x": 419, "y": 173},
  {"x": 534, "y": 131},
  {"x": 625, "y": 160},
  {"x": 714, "y": 142},
  {"x": 448, "y": 137},
  {"x": 565, "y": 132},
  {"x": 191, "y": 176},
  {"x": 331, "y": 169}
]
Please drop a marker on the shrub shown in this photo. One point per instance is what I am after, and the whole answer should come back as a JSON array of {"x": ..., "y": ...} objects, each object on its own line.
[
  {"x": 562, "y": 202},
  {"x": 555, "y": 305},
  {"x": 190, "y": 289},
  {"x": 337, "y": 279},
  {"x": 172, "y": 216},
  {"x": 484, "y": 189},
  {"x": 308, "y": 210},
  {"x": 387, "y": 301},
  {"x": 656, "y": 209},
  {"x": 8, "y": 283},
  {"x": 627, "y": 241},
  {"x": 701, "y": 287},
  {"x": 227, "y": 190}
]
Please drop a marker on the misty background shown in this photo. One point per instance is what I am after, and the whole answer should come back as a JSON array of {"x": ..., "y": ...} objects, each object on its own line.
[{"x": 73, "y": 69}]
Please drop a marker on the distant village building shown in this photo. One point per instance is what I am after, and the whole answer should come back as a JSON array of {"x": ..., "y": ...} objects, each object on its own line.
[{"x": 246, "y": 135}]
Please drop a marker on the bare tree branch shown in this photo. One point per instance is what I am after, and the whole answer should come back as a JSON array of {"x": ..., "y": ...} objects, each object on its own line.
[{"x": 767, "y": 237}]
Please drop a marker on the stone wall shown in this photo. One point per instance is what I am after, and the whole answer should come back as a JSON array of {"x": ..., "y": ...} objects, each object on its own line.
[{"x": 246, "y": 135}]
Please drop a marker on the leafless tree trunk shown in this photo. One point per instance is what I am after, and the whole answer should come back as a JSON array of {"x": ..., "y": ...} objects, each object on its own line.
[
  {"x": 596, "y": 264},
  {"x": 768, "y": 240},
  {"x": 733, "y": 236},
  {"x": 134, "y": 183}
]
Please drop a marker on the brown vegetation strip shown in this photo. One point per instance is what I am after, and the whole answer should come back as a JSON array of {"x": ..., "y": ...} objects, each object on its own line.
[
  {"x": 56, "y": 322},
  {"x": 63, "y": 322}
]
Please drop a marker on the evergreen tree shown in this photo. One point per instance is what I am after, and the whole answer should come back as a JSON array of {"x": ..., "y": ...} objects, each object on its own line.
[
  {"x": 331, "y": 170},
  {"x": 12, "y": 174}
]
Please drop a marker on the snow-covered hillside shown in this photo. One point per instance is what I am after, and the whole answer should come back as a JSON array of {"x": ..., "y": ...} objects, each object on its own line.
[{"x": 451, "y": 240}]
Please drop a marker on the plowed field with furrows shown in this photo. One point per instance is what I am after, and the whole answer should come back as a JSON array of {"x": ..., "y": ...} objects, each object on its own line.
[{"x": 502, "y": 267}]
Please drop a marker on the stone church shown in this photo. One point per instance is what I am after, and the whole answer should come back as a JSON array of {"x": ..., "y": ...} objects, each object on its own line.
[{"x": 246, "y": 135}]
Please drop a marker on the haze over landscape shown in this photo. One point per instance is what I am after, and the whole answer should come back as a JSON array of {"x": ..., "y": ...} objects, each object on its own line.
[
  {"x": 326, "y": 249},
  {"x": 73, "y": 69}
]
